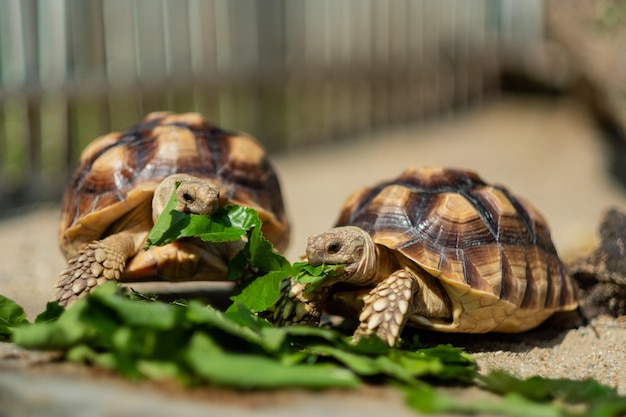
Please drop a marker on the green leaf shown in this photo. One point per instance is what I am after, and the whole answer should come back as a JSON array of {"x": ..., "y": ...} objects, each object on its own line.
[
  {"x": 313, "y": 276},
  {"x": 260, "y": 293},
  {"x": 11, "y": 316},
  {"x": 193, "y": 343},
  {"x": 207, "y": 315},
  {"x": 428, "y": 400},
  {"x": 216, "y": 228},
  {"x": 262, "y": 254},
  {"x": 457, "y": 366},
  {"x": 168, "y": 225},
  {"x": 542, "y": 389},
  {"x": 226, "y": 224},
  {"x": 161, "y": 370},
  {"x": 52, "y": 312},
  {"x": 69, "y": 330},
  {"x": 253, "y": 371},
  {"x": 86, "y": 354},
  {"x": 137, "y": 313},
  {"x": 601, "y": 400},
  {"x": 401, "y": 366}
]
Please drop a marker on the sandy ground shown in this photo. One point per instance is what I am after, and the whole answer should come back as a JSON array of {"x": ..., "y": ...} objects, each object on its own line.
[{"x": 548, "y": 152}]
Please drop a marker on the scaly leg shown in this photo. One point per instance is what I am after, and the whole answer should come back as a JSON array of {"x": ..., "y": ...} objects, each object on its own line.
[
  {"x": 296, "y": 306},
  {"x": 387, "y": 306},
  {"x": 98, "y": 262}
]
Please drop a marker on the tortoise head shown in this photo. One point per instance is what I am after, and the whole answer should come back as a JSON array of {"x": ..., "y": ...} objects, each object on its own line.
[
  {"x": 194, "y": 195},
  {"x": 348, "y": 245}
]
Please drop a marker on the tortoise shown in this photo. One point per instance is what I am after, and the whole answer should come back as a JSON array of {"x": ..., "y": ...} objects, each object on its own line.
[
  {"x": 123, "y": 182},
  {"x": 439, "y": 249}
]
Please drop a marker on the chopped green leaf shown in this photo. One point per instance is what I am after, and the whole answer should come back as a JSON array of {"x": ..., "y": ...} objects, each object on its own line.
[
  {"x": 11, "y": 315},
  {"x": 226, "y": 224},
  {"x": 64, "y": 333},
  {"x": 428, "y": 400},
  {"x": 254, "y": 371},
  {"x": 193, "y": 344},
  {"x": 52, "y": 312},
  {"x": 137, "y": 313},
  {"x": 168, "y": 225},
  {"x": 603, "y": 400},
  {"x": 313, "y": 276},
  {"x": 260, "y": 293}
]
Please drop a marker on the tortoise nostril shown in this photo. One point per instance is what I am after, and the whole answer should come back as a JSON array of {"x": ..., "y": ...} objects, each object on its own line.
[{"x": 188, "y": 198}]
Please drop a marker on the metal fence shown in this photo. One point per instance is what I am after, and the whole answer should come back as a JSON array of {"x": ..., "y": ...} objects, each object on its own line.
[{"x": 289, "y": 72}]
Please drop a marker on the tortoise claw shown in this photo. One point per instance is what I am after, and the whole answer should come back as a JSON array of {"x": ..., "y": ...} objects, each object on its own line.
[
  {"x": 386, "y": 307},
  {"x": 295, "y": 306},
  {"x": 92, "y": 266}
]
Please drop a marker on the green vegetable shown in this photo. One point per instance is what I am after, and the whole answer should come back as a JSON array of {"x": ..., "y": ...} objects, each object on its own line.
[
  {"x": 196, "y": 344},
  {"x": 11, "y": 315},
  {"x": 313, "y": 276}
]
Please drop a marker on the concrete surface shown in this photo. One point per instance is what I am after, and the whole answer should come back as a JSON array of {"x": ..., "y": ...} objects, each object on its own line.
[{"x": 546, "y": 151}]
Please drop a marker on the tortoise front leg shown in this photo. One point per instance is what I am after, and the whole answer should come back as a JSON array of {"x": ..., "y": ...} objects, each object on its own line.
[
  {"x": 296, "y": 306},
  {"x": 98, "y": 262},
  {"x": 387, "y": 306},
  {"x": 402, "y": 294},
  {"x": 183, "y": 260}
]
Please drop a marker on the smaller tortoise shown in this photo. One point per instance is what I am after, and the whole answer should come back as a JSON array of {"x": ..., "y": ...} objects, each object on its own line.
[
  {"x": 438, "y": 249},
  {"x": 123, "y": 182}
]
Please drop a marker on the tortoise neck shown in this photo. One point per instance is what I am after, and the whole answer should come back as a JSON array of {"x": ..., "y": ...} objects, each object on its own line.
[
  {"x": 387, "y": 263},
  {"x": 367, "y": 270}
]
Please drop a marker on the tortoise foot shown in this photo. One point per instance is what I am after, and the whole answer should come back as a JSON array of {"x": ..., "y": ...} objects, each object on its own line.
[
  {"x": 386, "y": 307},
  {"x": 296, "y": 306},
  {"x": 92, "y": 266}
]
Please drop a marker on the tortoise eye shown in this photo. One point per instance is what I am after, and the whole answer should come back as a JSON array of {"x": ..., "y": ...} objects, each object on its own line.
[{"x": 333, "y": 247}]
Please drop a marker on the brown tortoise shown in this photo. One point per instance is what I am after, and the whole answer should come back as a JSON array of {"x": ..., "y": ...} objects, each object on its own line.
[
  {"x": 123, "y": 182},
  {"x": 439, "y": 249}
]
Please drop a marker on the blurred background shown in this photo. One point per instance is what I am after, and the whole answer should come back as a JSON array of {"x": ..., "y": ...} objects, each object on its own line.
[
  {"x": 288, "y": 72},
  {"x": 296, "y": 74}
]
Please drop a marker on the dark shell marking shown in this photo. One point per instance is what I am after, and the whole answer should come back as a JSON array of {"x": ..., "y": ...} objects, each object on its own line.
[{"x": 454, "y": 225}]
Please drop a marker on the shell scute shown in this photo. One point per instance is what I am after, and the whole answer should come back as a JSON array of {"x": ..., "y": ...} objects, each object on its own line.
[
  {"x": 483, "y": 269},
  {"x": 536, "y": 278},
  {"x": 451, "y": 266},
  {"x": 513, "y": 274},
  {"x": 500, "y": 210}
]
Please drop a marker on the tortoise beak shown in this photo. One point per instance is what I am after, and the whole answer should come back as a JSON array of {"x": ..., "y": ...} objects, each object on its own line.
[{"x": 315, "y": 250}]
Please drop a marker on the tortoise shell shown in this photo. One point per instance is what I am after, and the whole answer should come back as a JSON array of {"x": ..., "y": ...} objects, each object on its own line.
[
  {"x": 120, "y": 171},
  {"x": 490, "y": 250}
]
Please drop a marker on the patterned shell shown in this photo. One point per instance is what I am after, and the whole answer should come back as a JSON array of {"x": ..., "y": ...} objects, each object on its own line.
[
  {"x": 490, "y": 250},
  {"x": 120, "y": 171}
]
